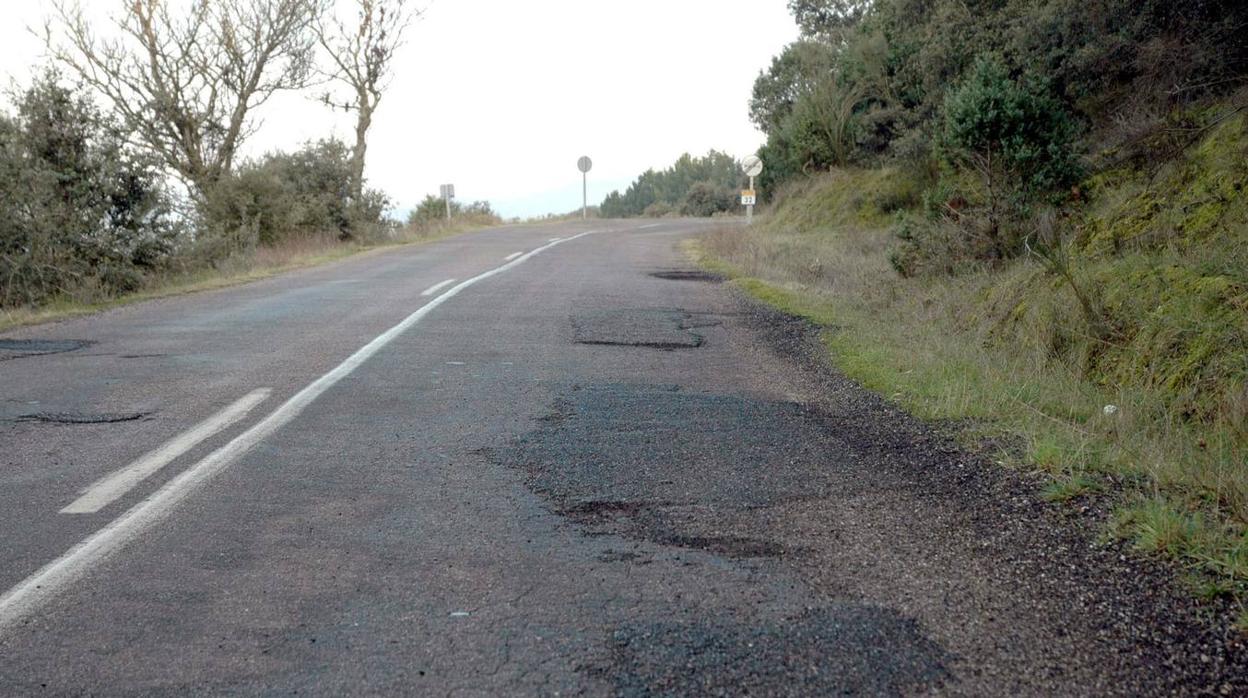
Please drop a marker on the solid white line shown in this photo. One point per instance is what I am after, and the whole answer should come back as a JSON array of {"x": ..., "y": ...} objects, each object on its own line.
[
  {"x": 109, "y": 488},
  {"x": 436, "y": 287},
  {"x": 512, "y": 256},
  {"x": 42, "y": 586}
]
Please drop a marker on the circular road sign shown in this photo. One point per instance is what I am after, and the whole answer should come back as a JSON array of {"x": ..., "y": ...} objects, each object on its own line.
[
  {"x": 584, "y": 164},
  {"x": 752, "y": 165}
]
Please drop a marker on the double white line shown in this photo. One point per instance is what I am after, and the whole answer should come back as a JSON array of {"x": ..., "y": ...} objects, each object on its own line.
[{"x": 36, "y": 590}]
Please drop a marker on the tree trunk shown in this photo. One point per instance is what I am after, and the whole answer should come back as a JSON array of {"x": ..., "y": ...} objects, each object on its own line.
[{"x": 364, "y": 119}]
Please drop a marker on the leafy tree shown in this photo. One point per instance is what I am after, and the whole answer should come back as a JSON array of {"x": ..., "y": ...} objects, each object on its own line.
[
  {"x": 797, "y": 71},
  {"x": 827, "y": 17}
]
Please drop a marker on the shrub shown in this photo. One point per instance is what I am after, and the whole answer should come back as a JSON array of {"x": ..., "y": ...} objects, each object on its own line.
[
  {"x": 1012, "y": 130},
  {"x": 430, "y": 215},
  {"x": 287, "y": 195},
  {"x": 706, "y": 199},
  {"x": 80, "y": 213},
  {"x": 659, "y": 209}
]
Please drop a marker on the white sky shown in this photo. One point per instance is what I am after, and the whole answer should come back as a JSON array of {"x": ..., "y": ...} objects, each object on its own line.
[{"x": 501, "y": 97}]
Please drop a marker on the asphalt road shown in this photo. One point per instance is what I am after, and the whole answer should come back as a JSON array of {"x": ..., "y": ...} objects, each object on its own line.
[{"x": 580, "y": 467}]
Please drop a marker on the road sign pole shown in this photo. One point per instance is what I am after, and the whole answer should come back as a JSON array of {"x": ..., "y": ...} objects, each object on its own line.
[
  {"x": 753, "y": 167},
  {"x": 749, "y": 210},
  {"x": 448, "y": 208},
  {"x": 584, "y": 164}
]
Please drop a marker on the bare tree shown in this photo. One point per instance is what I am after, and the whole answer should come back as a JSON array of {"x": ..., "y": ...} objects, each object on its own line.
[
  {"x": 186, "y": 80},
  {"x": 360, "y": 56}
]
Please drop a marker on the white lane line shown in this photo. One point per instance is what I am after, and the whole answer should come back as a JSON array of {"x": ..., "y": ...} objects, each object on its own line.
[
  {"x": 512, "y": 256},
  {"x": 109, "y": 488},
  {"x": 42, "y": 586},
  {"x": 554, "y": 239},
  {"x": 436, "y": 287},
  {"x": 652, "y": 225}
]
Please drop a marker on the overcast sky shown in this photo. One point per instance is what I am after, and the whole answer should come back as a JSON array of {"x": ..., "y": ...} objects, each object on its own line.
[{"x": 501, "y": 97}]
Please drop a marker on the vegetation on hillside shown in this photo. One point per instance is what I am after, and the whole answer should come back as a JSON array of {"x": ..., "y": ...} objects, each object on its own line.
[
  {"x": 693, "y": 186},
  {"x": 1031, "y": 216}
]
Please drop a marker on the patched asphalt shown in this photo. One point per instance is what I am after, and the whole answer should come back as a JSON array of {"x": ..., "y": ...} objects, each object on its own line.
[{"x": 594, "y": 474}]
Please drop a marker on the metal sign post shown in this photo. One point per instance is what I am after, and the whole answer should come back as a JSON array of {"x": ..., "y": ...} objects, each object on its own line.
[
  {"x": 448, "y": 193},
  {"x": 753, "y": 167},
  {"x": 584, "y": 165}
]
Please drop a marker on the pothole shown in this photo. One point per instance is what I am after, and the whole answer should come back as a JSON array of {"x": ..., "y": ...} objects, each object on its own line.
[
  {"x": 18, "y": 348},
  {"x": 652, "y": 328},
  {"x": 687, "y": 275},
  {"x": 81, "y": 418}
]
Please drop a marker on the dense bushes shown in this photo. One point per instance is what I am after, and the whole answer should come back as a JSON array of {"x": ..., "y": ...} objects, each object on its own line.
[
  {"x": 285, "y": 195},
  {"x": 81, "y": 214},
  {"x": 430, "y": 215},
  {"x": 715, "y": 177},
  {"x": 984, "y": 98}
]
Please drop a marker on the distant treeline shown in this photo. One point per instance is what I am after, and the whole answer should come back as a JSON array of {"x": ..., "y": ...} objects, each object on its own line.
[{"x": 693, "y": 186}]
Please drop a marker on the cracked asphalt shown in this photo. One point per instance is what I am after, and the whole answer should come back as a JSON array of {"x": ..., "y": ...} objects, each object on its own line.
[{"x": 599, "y": 472}]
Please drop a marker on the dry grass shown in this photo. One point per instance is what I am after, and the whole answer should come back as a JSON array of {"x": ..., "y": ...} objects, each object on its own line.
[{"x": 263, "y": 262}]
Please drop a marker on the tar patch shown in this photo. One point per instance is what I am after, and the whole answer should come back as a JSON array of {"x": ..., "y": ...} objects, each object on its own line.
[{"x": 841, "y": 649}]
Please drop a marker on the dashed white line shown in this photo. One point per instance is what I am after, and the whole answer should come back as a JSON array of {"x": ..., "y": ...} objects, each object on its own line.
[
  {"x": 512, "y": 256},
  {"x": 436, "y": 287},
  {"x": 39, "y": 588},
  {"x": 647, "y": 227},
  {"x": 554, "y": 239},
  {"x": 111, "y": 487}
]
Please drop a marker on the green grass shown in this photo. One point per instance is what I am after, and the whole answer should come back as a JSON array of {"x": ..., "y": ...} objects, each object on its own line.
[{"x": 1153, "y": 418}]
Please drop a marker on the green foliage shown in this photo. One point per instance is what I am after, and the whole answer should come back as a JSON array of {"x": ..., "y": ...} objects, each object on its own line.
[
  {"x": 705, "y": 199},
  {"x": 826, "y": 17},
  {"x": 799, "y": 68},
  {"x": 1013, "y": 128},
  {"x": 80, "y": 213},
  {"x": 430, "y": 214},
  {"x": 291, "y": 195},
  {"x": 673, "y": 186}
]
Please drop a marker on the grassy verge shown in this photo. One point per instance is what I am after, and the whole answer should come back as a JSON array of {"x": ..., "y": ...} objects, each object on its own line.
[
  {"x": 1002, "y": 354},
  {"x": 264, "y": 262}
]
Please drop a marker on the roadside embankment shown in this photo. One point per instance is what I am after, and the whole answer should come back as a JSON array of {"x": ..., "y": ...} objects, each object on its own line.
[{"x": 1117, "y": 364}]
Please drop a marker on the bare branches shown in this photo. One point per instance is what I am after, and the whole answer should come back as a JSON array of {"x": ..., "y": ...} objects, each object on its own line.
[
  {"x": 185, "y": 84},
  {"x": 359, "y": 55}
]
